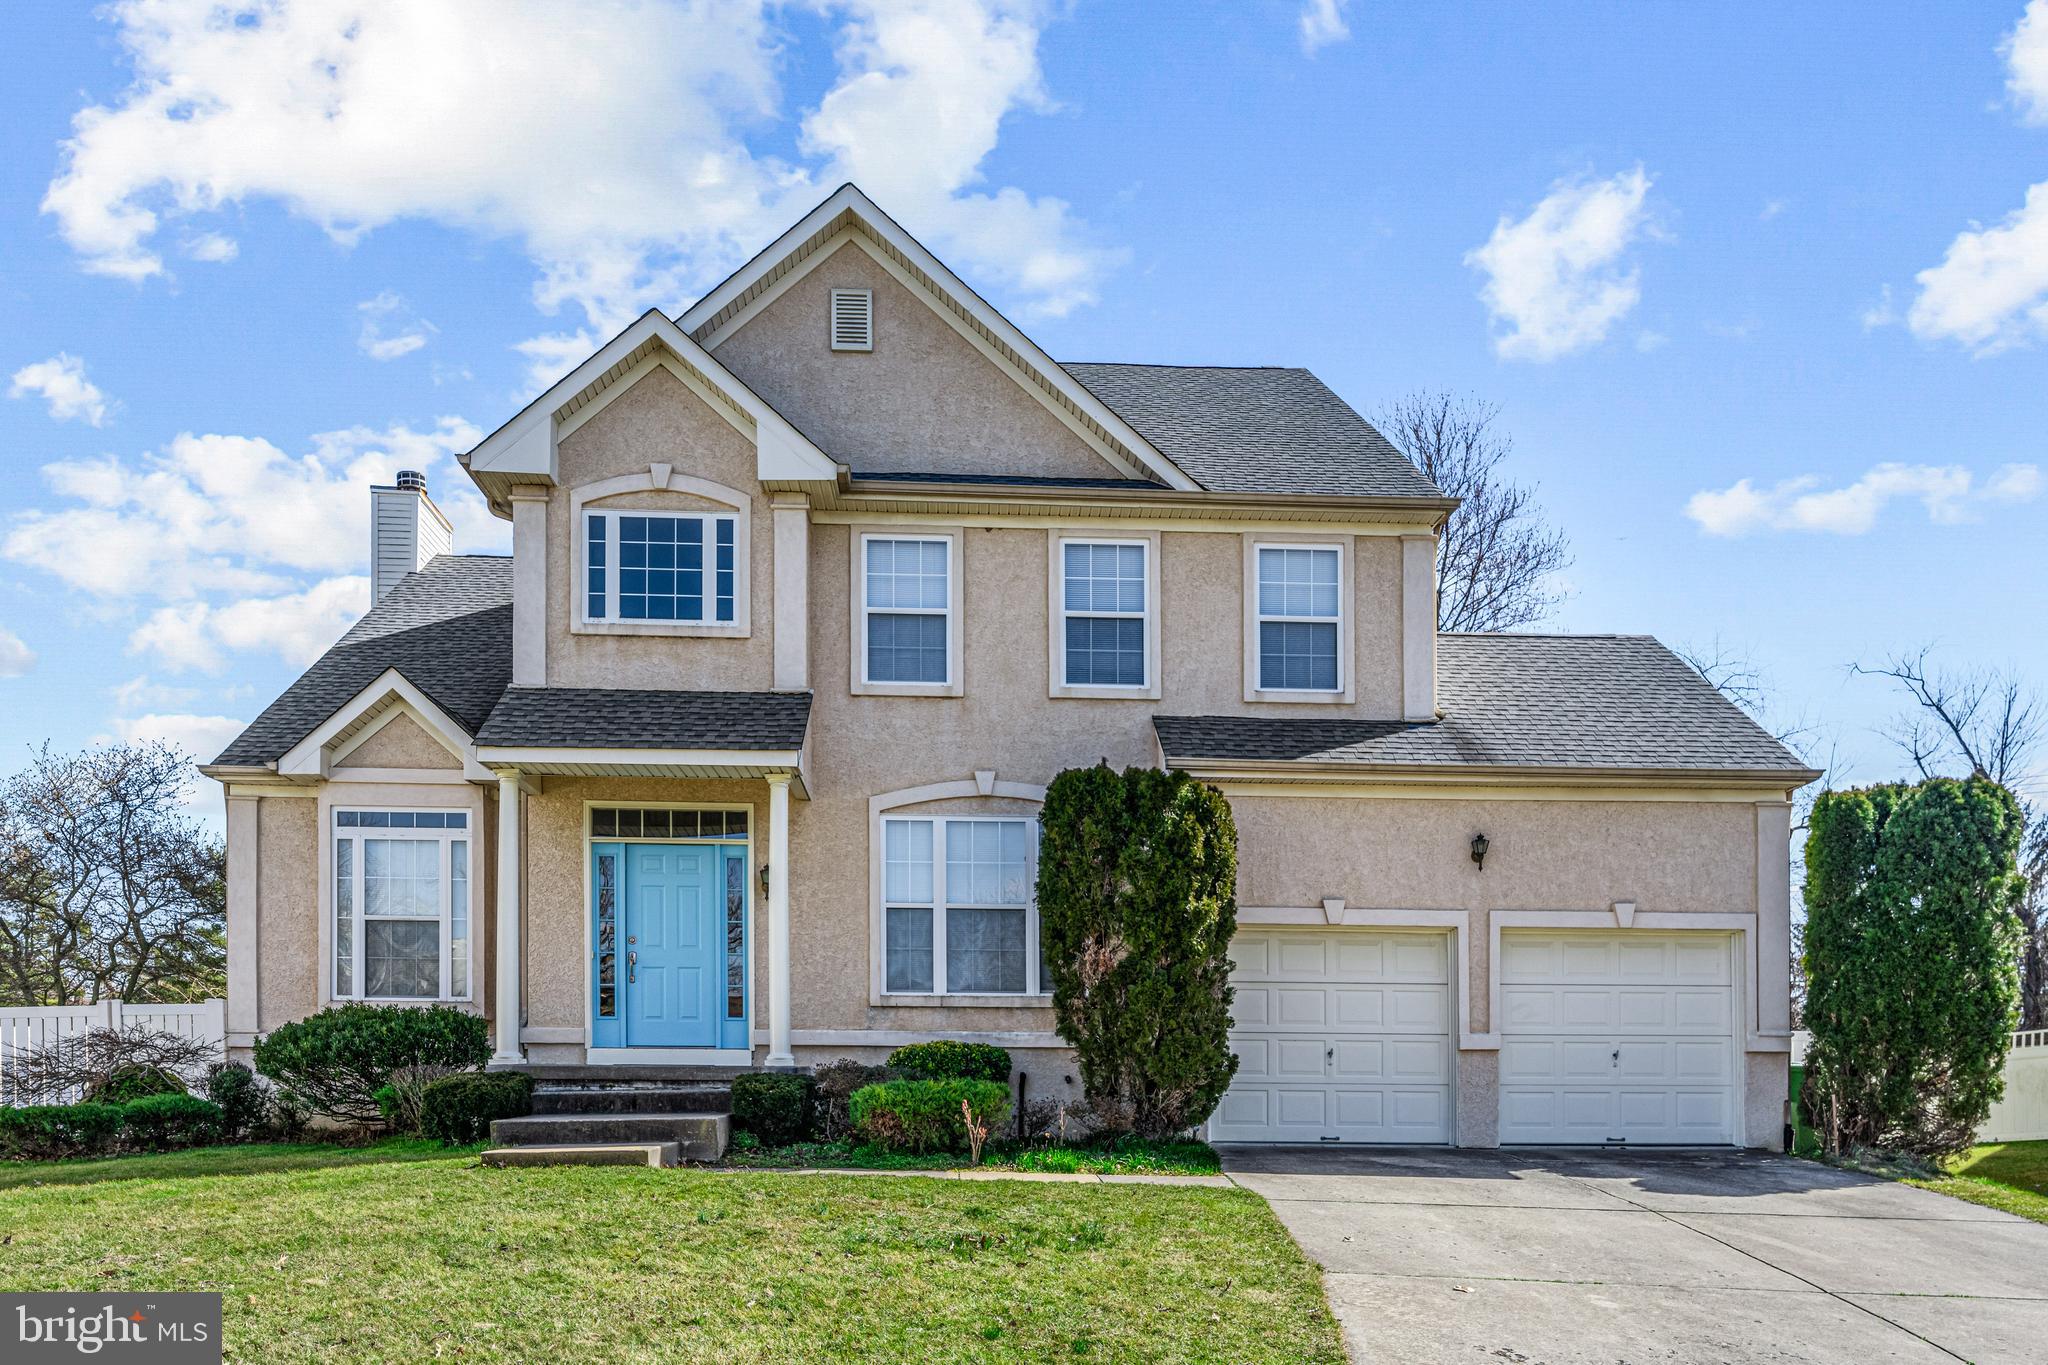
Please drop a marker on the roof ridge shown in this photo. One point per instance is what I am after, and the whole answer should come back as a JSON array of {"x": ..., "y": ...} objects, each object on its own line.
[
  {"x": 1542, "y": 635},
  {"x": 1177, "y": 365}
]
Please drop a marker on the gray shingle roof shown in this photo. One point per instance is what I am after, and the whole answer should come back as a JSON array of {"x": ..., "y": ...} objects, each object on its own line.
[
  {"x": 447, "y": 628},
  {"x": 620, "y": 718},
  {"x": 1553, "y": 701},
  {"x": 1255, "y": 430}
]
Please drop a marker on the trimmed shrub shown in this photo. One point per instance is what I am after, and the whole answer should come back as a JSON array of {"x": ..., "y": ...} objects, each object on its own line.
[
  {"x": 1911, "y": 957},
  {"x": 832, "y": 1090},
  {"x": 459, "y": 1109},
  {"x": 925, "y": 1116},
  {"x": 1137, "y": 899},
  {"x": 774, "y": 1106},
  {"x": 132, "y": 1081},
  {"x": 946, "y": 1060},
  {"x": 45, "y": 1132},
  {"x": 335, "y": 1062},
  {"x": 159, "y": 1123},
  {"x": 243, "y": 1106}
]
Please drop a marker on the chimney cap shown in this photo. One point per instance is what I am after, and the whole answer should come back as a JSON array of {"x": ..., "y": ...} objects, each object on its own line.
[{"x": 412, "y": 478}]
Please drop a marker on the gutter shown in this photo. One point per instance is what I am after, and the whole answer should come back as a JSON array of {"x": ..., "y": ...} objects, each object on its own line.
[{"x": 1510, "y": 774}]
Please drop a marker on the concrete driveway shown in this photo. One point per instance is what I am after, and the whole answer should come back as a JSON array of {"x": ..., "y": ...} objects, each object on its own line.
[{"x": 1547, "y": 1257}]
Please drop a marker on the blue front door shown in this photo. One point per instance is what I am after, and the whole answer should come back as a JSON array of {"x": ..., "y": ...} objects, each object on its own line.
[{"x": 675, "y": 946}]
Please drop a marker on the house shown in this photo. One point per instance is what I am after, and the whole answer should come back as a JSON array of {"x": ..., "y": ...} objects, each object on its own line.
[{"x": 814, "y": 588}]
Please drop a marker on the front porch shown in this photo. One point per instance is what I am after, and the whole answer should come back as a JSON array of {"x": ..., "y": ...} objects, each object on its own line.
[{"x": 642, "y": 901}]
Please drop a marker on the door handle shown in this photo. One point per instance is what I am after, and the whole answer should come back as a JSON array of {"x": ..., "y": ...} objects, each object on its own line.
[{"x": 632, "y": 961}]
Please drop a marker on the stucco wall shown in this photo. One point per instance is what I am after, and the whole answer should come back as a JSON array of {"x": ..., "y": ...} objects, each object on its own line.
[
  {"x": 659, "y": 420},
  {"x": 288, "y": 933},
  {"x": 923, "y": 401},
  {"x": 401, "y": 743}
]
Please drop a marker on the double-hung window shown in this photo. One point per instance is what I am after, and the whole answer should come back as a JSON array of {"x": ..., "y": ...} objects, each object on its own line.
[
  {"x": 660, "y": 567},
  {"x": 907, "y": 610},
  {"x": 1104, "y": 600},
  {"x": 401, "y": 905},
  {"x": 959, "y": 914},
  {"x": 1300, "y": 610}
]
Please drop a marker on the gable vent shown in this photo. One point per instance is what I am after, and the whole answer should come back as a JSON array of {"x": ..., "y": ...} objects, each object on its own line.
[{"x": 853, "y": 320}]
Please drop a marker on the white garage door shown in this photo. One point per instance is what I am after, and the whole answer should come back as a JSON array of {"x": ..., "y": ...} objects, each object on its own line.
[
  {"x": 1626, "y": 1037},
  {"x": 1341, "y": 1036}
]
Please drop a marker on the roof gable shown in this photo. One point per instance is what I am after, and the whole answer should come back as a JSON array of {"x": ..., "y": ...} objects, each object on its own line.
[{"x": 848, "y": 214}]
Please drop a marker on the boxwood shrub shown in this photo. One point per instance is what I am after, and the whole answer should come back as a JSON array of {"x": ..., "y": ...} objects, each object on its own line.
[
  {"x": 946, "y": 1060},
  {"x": 159, "y": 1123},
  {"x": 832, "y": 1090},
  {"x": 44, "y": 1132},
  {"x": 774, "y": 1106},
  {"x": 244, "y": 1107},
  {"x": 336, "y": 1061},
  {"x": 133, "y": 1080},
  {"x": 459, "y": 1109},
  {"x": 925, "y": 1116}
]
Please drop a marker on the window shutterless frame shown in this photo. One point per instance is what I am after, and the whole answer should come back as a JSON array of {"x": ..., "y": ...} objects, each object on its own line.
[
  {"x": 894, "y": 586},
  {"x": 1096, "y": 601},
  {"x": 1256, "y": 617},
  {"x": 458, "y": 902},
  {"x": 695, "y": 583},
  {"x": 945, "y": 897}
]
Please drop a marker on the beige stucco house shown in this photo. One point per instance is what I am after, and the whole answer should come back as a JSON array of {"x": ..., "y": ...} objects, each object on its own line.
[{"x": 736, "y": 759}]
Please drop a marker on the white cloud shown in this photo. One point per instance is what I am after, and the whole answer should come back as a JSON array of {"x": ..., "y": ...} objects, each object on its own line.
[
  {"x": 390, "y": 328},
  {"x": 1883, "y": 313},
  {"x": 1771, "y": 209},
  {"x": 211, "y": 246},
  {"x": 1322, "y": 23},
  {"x": 1556, "y": 279},
  {"x": 2025, "y": 50},
  {"x": 219, "y": 513},
  {"x": 1648, "y": 341},
  {"x": 1990, "y": 291},
  {"x": 633, "y": 183},
  {"x": 61, "y": 383},
  {"x": 202, "y": 737},
  {"x": 16, "y": 658},
  {"x": 1949, "y": 493},
  {"x": 297, "y": 627}
]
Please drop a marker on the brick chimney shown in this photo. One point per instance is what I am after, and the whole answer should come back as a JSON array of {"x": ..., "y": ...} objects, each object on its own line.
[{"x": 406, "y": 530}]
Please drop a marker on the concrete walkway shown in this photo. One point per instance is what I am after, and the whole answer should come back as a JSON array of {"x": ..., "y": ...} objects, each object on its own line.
[{"x": 1550, "y": 1257}]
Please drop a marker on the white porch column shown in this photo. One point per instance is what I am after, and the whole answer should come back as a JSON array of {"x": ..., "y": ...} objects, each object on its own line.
[
  {"x": 779, "y": 1055},
  {"x": 507, "y": 1004}
]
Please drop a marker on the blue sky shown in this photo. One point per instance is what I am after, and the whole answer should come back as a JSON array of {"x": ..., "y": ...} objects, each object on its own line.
[{"x": 1780, "y": 256}]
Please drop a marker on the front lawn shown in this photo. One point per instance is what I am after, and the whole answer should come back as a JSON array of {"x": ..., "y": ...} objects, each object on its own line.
[
  {"x": 2012, "y": 1176},
  {"x": 400, "y": 1252},
  {"x": 1128, "y": 1156}
]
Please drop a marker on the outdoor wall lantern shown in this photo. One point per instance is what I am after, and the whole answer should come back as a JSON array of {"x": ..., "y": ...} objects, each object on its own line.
[
  {"x": 764, "y": 879},
  {"x": 1479, "y": 851}
]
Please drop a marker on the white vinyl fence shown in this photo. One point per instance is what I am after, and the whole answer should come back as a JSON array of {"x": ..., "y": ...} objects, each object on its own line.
[
  {"x": 2023, "y": 1113},
  {"x": 24, "y": 1030}
]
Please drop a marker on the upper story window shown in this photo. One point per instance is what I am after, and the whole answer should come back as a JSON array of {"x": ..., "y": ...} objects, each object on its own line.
[
  {"x": 1105, "y": 636},
  {"x": 660, "y": 566},
  {"x": 959, "y": 914},
  {"x": 1299, "y": 612},
  {"x": 401, "y": 905},
  {"x": 907, "y": 610}
]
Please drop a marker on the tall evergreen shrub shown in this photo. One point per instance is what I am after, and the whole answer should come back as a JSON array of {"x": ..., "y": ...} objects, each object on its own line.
[
  {"x": 1137, "y": 899},
  {"x": 1911, "y": 961}
]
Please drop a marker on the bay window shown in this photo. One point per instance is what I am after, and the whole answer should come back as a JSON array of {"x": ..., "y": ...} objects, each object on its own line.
[
  {"x": 959, "y": 913},
  {"x": 402, "y": 912}
]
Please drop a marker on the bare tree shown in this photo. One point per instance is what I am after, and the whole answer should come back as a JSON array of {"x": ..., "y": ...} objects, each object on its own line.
[
  {"x": 1983, "y": 723},
  {"x": 78, "y": 1064},
  {"x": 1498, "y": 559},
  {"x": 107, "y": 887}
]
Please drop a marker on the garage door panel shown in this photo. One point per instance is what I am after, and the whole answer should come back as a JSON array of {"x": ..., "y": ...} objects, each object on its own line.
[
  {"x": 1342, "y": 1036},
  {"x": 1617, "y": 1037}
]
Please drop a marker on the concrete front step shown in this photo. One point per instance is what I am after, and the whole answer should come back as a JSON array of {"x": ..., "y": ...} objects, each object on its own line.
[
  {"x": 557, "y": 1098},
  {"x": 605, "y": 1074},
  {"x": 698, "y": 1137},
  {"x": 586, "y": 1154}
]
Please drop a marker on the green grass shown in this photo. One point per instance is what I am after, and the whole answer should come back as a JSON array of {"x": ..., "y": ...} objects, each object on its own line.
[
  {"x": 2012, "y": 1176},
  {"x": 1130, "y": 1156},
  {"x": 404, "y": 1252}
]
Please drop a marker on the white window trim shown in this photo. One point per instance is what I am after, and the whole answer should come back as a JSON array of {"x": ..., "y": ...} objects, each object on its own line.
[
  {"x": 832, "y": 319},
  {"x": 1346, "y": 690},
  {"x": 953, "y": 686},
  {"x": 470, "y": 836},
  {"x": 1057, "y": 685},
  {"x": 900, "y": 805},
  {"x": 942, "y": 903},
  {"x": 727, "y": 502}
]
